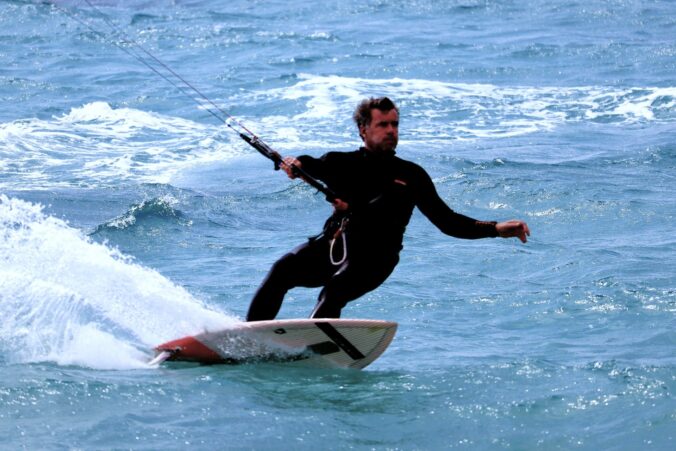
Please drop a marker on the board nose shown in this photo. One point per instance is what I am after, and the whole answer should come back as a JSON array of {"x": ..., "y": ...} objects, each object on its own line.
[{"x": 190, "y": 349}]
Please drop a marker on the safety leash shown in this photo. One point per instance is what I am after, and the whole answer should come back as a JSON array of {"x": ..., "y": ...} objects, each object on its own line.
[{"x": 339, "y": 233}]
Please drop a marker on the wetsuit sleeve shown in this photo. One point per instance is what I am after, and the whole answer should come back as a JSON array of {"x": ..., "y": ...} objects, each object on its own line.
[
  {"x": 316, "y": 167},
  {"x": 449, "y": 222}
]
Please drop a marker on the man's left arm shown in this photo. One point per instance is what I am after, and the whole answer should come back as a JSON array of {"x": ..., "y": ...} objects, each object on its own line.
[{"x": 456, "y": 224}]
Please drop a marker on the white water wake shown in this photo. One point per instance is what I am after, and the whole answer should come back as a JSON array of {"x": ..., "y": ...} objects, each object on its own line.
[{"x": 67, "y": 299}]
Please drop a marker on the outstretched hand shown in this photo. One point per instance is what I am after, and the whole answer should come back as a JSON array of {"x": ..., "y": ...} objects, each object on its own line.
[{"x": 513, "y": 228}]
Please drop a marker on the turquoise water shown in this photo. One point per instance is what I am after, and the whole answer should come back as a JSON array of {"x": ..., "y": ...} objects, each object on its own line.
[{"x": 129, "y": 217}]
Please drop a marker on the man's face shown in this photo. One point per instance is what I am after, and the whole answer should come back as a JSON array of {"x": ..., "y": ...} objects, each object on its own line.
[{"x": 382, "y": 134}]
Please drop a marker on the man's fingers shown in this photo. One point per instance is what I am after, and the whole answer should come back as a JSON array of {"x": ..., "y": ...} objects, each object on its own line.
[
  {"x": 514, "y": 228},
  {"x": 340, "y": 205},
  {"x": 289, "y": 164},
  {"x": 525, "y": 232}
]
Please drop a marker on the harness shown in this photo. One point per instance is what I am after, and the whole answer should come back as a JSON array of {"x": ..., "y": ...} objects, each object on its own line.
[{"x": 340, "y": 233}]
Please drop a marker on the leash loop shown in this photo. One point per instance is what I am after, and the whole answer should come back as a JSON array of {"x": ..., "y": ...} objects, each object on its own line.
[{"x": 339, "y": 233}]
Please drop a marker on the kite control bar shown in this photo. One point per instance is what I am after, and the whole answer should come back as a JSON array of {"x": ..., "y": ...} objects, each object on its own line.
[{"x": 276, "y": 158}]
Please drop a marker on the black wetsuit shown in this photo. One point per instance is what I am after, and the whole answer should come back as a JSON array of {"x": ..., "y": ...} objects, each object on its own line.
[{"x": 381, "y": 191}]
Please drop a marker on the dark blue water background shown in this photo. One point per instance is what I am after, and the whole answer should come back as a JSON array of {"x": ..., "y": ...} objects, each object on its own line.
[{"x": 128, "y": 216}]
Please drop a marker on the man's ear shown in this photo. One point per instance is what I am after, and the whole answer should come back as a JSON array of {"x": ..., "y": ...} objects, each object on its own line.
[{"x": 361, "y": 131}]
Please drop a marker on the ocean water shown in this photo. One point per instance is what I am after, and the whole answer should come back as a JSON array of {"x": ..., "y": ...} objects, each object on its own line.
[{"x": 129, "y": 216}]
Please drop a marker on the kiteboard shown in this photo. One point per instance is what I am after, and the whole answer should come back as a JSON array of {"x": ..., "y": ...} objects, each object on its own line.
[{"x": 320, "y": 343}]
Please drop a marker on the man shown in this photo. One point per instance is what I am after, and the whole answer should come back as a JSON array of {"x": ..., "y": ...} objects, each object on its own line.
[{"x": 360, "y": 244}]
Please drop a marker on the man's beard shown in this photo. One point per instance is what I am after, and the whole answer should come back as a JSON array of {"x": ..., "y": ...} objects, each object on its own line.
[{"x": 385, "y": 146}]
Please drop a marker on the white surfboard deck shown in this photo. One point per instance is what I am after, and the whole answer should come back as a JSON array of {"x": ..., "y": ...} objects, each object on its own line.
[{"x": 321, "y": 343}]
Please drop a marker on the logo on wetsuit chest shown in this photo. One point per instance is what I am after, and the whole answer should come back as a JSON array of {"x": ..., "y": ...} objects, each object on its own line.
[{"x": 400, "y": 182}]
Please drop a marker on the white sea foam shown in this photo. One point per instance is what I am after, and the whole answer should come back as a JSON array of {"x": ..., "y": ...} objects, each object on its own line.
[
  {"x": 439, "y": 111},
  {"x": 97, "y": 145},
  {"x": 67, "y": 299}
]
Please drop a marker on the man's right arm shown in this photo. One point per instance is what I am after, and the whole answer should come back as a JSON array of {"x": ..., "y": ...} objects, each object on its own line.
[
  {"x": 315, "y": 167},
  {"x": 312, "y": 166}
]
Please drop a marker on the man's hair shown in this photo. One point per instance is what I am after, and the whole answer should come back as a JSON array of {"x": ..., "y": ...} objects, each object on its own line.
[{"x": 362, "y": 115}]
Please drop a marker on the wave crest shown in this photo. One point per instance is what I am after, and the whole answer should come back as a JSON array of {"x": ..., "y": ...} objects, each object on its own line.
[{"x": 158, "y": 207}]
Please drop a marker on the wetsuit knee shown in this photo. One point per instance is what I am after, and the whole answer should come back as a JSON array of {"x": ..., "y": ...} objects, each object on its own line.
[
  {"x": 352, "y": 281},
  {"x": 268, "y": 299},
  {"x": 284, "y": 268}
]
